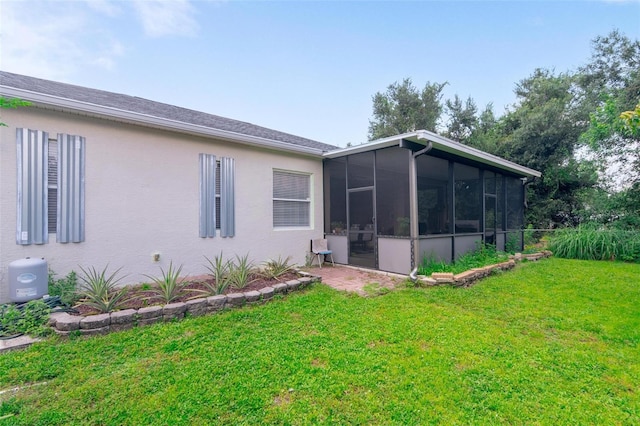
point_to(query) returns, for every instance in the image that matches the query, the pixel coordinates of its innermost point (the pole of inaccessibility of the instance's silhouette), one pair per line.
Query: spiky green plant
(169, 286)
(100, 291)
(274, 269)
(241, 272)
(219, 270)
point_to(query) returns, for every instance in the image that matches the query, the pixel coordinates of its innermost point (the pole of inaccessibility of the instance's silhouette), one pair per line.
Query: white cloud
(166, 17)
(53, 40)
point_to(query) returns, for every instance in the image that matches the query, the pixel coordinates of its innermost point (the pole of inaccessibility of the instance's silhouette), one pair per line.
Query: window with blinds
(291, 199)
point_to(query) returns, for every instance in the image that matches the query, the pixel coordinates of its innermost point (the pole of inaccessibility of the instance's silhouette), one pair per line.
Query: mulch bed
(138, 298)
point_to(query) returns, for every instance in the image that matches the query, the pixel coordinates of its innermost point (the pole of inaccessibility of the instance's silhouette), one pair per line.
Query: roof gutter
(89, 109)
(439, 143)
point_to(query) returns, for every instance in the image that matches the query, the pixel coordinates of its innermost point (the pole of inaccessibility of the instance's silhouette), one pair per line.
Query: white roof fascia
(442, 144)
(100, 111)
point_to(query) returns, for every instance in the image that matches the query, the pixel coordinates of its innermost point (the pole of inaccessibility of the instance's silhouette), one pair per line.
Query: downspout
(413, 206)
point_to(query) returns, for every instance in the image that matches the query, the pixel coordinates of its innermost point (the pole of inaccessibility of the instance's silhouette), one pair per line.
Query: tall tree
(542, 132)
(610, 86)
(403, 108)
(463, 119)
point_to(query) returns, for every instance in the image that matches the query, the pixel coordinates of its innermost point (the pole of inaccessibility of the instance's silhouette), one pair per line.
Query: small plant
(100, 291)
(274, 269)
(9, 320)
(30, 318)
(66, 288)
(169, 287)
(35, 316)
(241, 272)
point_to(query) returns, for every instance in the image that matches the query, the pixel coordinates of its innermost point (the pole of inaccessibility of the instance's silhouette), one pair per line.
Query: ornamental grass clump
(169, 286)
(101, 292)
(588, 242)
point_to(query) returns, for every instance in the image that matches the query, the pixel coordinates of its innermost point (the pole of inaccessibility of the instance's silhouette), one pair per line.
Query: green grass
(551, 342)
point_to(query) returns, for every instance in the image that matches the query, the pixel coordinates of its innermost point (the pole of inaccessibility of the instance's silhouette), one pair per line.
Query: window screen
(291, 199)
(468, 190)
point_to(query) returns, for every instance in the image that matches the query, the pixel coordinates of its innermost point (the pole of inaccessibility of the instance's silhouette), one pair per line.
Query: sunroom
(392, 202)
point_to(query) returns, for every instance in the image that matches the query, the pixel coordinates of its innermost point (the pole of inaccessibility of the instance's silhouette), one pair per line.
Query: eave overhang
(45, 101)
(440, 143)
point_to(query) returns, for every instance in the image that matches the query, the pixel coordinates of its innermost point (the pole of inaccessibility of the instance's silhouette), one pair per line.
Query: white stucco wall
(142, 197)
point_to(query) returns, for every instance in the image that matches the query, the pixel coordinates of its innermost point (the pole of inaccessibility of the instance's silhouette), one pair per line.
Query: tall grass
(592, 243)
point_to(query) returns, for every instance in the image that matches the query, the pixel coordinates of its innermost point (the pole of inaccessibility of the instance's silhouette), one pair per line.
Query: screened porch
(391, 203)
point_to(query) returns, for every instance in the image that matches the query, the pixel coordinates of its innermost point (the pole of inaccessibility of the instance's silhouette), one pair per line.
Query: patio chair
(319, 247)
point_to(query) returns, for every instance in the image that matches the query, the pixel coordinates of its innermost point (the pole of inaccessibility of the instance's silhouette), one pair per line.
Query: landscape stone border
(65, 324)
(470, 277)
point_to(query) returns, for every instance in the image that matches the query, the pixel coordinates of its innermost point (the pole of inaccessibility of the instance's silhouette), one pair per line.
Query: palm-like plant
(274, 269)
(241, 272)
(219, 270)
(100, 291)
(169, 286)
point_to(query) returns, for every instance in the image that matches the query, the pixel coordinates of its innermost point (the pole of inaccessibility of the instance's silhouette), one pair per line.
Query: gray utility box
(28, 279)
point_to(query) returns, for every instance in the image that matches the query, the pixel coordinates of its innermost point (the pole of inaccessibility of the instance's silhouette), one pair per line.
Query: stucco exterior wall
(142, 197)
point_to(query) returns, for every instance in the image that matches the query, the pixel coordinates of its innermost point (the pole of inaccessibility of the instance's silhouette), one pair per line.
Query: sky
(304, 67)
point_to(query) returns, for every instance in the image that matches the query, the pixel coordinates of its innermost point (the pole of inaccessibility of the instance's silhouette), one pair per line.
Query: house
(89, 177)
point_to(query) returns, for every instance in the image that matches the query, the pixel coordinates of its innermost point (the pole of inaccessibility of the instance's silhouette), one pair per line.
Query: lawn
(551, 342)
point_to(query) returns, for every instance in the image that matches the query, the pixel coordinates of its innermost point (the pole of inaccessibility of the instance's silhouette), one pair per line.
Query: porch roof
(442, 144)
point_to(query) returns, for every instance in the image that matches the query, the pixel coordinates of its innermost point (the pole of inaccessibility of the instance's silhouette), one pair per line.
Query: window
(217, 203)
(50, 190)
(291, 199)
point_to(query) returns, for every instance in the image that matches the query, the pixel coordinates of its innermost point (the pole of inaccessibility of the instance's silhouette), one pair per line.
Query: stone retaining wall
(467, 278)
(65, 324)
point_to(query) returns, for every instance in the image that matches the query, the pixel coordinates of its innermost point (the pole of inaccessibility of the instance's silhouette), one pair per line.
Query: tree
(541, 132)
(403, 108)
(463, 119)
(11, 103)
(609, 91)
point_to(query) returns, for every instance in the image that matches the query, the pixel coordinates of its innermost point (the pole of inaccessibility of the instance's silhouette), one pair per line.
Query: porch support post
(413, 210)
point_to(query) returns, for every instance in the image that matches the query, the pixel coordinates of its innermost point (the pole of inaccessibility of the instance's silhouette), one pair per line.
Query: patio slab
(352, 279)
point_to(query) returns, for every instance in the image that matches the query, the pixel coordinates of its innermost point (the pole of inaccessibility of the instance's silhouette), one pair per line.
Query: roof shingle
(156, 109)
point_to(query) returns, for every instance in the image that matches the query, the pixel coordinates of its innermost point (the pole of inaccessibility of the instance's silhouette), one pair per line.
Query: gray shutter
(70, 214)
(227, 197)
(32, 212)
(207, 195)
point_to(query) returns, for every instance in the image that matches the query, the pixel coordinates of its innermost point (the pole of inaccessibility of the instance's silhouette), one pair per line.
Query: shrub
(101, 292)
(66, 288)
(169, 287)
